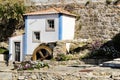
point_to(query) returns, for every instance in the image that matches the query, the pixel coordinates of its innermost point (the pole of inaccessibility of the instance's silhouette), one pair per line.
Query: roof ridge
(57, 9)
(52, 10)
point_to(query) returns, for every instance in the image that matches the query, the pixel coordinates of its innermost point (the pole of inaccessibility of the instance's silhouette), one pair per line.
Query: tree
(11, 18)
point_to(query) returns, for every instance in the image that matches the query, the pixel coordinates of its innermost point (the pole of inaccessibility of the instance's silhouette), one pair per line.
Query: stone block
(28, 57)
(34, 77)
(5, 76)
(1, 57)
(21, 77)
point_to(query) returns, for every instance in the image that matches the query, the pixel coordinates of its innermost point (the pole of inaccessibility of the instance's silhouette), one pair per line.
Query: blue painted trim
(60, 27)
(25, 36)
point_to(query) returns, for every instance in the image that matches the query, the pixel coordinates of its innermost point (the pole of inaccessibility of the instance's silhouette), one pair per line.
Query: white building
(42, 27)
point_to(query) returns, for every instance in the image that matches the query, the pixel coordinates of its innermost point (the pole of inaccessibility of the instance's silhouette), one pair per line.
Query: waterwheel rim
(40, 50)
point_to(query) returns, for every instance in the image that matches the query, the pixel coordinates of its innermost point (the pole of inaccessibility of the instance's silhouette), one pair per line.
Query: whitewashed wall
(37, 23)
(68, 27)
(12, 47)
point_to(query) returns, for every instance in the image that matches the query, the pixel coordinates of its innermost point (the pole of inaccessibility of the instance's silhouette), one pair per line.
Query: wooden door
(17, 51)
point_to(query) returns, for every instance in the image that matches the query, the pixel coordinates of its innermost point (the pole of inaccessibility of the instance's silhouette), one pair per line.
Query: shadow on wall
(111, 49)
(100, 49)
(107, 50)
(116, 41)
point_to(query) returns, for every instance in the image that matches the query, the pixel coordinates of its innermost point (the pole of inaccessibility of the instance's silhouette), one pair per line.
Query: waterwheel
(42, 52)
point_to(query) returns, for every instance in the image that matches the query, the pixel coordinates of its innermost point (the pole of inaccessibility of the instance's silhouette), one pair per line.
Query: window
(36, 36)
(50, 25)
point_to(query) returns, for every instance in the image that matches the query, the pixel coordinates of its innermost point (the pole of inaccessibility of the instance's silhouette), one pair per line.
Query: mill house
(43, 26)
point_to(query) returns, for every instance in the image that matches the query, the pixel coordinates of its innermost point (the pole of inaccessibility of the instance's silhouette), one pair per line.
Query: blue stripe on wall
(60, 27)
(25, 37)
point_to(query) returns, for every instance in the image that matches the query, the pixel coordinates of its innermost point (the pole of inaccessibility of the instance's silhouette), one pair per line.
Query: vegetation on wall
(3, 50)
(63, 57)
(11, 18)
(107, 50)
(29, 65)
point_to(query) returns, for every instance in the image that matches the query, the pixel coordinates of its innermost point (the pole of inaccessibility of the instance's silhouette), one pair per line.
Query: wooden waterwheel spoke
(46, 55)
(41, 54)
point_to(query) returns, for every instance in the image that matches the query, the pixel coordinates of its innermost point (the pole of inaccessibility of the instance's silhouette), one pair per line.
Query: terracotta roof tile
(51, 11)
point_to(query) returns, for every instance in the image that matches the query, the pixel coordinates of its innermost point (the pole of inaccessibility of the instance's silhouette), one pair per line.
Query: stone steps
(115, 63)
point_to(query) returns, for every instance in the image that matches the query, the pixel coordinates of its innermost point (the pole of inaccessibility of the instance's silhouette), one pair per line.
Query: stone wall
(60, 48)
(97, 21)
(83, 74)
(30, 75)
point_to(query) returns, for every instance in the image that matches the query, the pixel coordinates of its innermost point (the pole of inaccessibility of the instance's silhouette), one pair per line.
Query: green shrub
(30, 65)
(41, 65)
(2, 50)
(62, 57)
